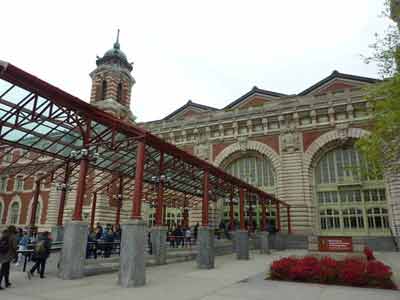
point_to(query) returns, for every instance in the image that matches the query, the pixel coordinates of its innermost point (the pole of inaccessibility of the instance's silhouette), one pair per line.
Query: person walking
(188, 237)
(22, 246)
(41, 254)
(8, 252)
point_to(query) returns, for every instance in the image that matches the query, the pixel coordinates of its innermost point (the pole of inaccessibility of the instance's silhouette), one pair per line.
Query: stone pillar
(73, 254)
(264, 242)
(242, 244)
(280, 241)
(57, 233)
(132, 272)
(159, 244)
(205, 255)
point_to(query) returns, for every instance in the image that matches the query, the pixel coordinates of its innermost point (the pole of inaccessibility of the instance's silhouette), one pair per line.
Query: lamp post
(159, 181)
(84, 156)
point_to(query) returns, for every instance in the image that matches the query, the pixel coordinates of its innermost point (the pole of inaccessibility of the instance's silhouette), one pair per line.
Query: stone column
(206, 253)
(73, 254)
(242, 244)
(132, 272)
(159, 244)
(57, 233)
(280, 241)
(264, 242)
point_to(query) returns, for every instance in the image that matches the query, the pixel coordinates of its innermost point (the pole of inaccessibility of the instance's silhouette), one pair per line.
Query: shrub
(369, 253)
(350, 271)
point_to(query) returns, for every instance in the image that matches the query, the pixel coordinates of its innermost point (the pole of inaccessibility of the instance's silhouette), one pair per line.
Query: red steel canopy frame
(45, 120)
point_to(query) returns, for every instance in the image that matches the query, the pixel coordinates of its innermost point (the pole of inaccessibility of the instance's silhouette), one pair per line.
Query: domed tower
(112, 83)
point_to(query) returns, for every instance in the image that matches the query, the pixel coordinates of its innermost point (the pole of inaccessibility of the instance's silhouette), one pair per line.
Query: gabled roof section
(189, 107)
(346, 80)
(255, 91)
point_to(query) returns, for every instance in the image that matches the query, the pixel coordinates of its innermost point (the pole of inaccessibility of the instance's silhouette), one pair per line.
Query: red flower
(352, 272)
(369, 253)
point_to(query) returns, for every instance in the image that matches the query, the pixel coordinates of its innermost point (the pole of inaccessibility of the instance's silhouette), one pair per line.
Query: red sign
(335, 244)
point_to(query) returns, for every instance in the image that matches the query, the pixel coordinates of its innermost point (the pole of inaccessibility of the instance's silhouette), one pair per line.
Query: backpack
(4, 245)
(40, 248)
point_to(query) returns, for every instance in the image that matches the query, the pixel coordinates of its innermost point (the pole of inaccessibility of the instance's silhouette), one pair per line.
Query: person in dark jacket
(41, 254)
(8, 252)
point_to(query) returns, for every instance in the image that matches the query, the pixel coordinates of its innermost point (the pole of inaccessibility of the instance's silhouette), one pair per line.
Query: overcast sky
(211, 52)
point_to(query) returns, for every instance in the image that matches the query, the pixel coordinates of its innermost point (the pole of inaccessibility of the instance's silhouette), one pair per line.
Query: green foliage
(382, 148)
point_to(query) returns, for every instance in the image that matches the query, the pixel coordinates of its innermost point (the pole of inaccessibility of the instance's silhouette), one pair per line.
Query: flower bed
(361, 272)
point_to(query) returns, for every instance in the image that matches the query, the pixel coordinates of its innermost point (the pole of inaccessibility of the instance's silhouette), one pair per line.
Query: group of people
(103, 239)
(182, 235)
(12, 244)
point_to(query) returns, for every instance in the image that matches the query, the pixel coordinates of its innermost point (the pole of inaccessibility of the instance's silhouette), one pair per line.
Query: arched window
(19, 183)
(257, 170)
(119, 93)
(3, 184)
(14, 214)
(378, 218)
(346, 195)
(103, 90)
(38, 213)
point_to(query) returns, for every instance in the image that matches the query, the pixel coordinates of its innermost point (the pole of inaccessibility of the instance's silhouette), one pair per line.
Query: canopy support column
(93, 212)
(35, 204)
(160, 193)
(119, 200)
(133, 240)
(63, 196)
(278, 217)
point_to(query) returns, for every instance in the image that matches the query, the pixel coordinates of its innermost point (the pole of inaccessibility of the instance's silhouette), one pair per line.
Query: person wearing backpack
(8, 252)
(40, 254)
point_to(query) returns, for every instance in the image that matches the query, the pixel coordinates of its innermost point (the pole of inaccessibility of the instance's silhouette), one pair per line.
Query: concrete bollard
(264, 242)
(132, 272)
(73, 254)
(242, 244)
(206, 252)
(159, 244)
(57, 233)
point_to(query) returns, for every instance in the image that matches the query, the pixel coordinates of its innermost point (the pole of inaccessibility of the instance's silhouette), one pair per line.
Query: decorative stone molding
(290, 140)
(250, 145)
(344, 132)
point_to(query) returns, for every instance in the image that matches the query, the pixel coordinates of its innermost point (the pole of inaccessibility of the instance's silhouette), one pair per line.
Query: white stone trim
(251, 145)
(326, 138)
(16, 199)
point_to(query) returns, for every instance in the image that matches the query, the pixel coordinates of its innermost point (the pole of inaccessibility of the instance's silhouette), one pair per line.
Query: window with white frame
(378, 218)
(3, 184)
(347, 195)
(14, 214)
(19, 183)
(257, 170)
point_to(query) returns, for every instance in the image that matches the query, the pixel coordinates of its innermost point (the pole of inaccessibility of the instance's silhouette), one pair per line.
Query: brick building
(297, 147)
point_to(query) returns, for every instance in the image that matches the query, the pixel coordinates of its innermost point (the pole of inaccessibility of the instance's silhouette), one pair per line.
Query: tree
(382, 147)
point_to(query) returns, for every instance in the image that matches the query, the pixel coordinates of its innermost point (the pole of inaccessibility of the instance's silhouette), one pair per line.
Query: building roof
(253, 91)
(337, 75)
(190, 104)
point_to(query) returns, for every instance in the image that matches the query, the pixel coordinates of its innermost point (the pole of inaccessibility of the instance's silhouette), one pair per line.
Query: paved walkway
(231, 279)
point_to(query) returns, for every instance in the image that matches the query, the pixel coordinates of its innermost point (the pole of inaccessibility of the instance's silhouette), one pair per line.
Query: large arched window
(349, 200)
(257, 170)
(13, 218)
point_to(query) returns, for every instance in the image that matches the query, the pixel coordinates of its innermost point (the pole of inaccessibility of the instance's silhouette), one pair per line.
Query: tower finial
(116, 44)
